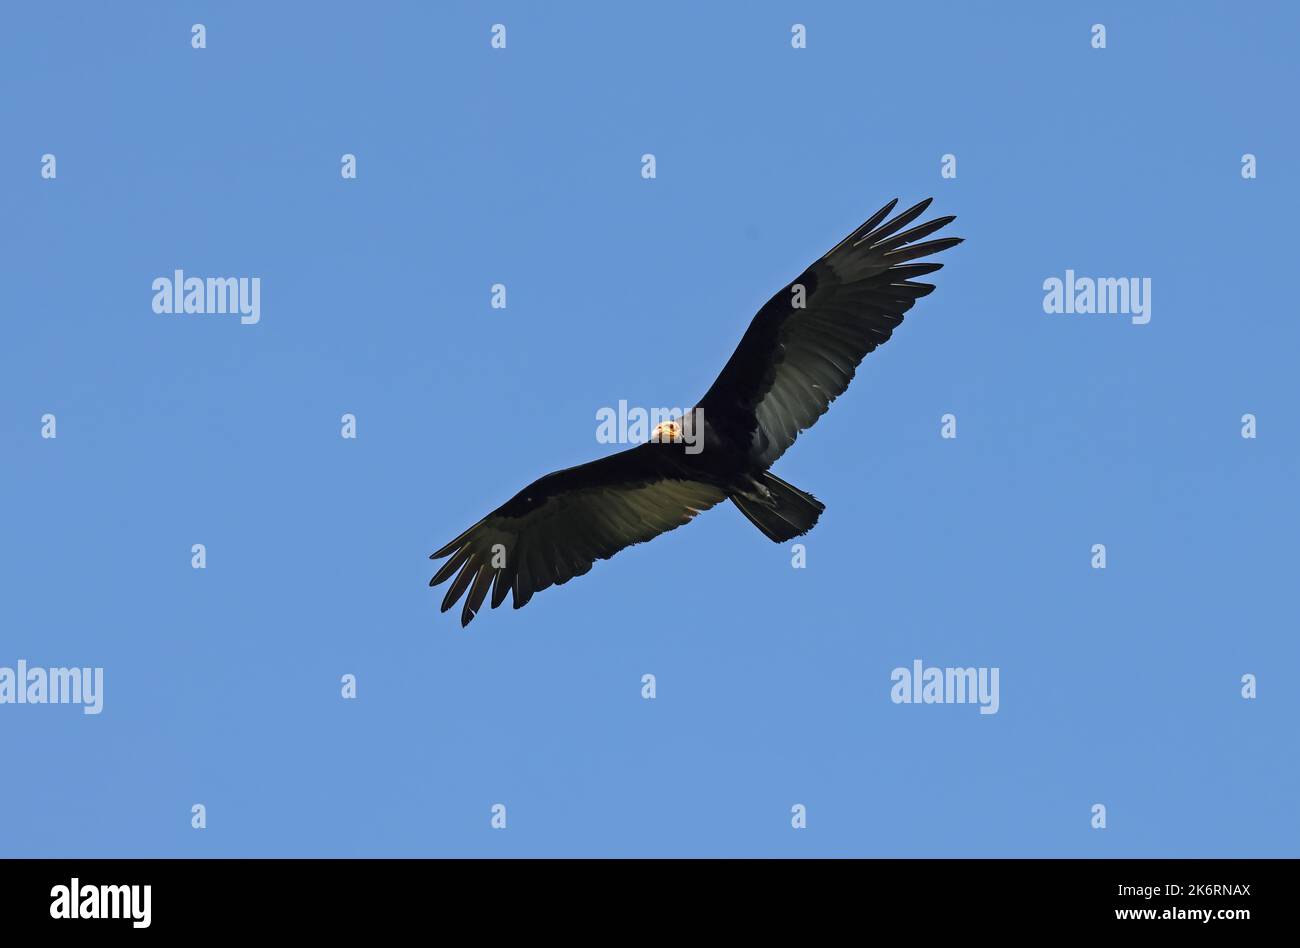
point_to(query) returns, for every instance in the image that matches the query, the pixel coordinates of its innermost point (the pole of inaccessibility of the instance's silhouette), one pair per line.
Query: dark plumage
(790, 365)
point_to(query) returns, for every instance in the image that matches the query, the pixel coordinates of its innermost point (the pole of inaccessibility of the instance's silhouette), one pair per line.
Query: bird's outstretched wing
(558, 526)
(794, 360)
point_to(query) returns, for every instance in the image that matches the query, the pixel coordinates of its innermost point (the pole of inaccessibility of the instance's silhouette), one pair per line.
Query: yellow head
(667, 431)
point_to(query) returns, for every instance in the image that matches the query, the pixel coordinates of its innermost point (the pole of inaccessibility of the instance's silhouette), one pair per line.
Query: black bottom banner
(177, 897)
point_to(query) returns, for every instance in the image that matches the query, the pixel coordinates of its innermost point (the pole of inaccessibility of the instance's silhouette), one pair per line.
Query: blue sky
(522, 166)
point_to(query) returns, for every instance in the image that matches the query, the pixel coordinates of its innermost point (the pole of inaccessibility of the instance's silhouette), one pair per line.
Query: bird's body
(798, 354)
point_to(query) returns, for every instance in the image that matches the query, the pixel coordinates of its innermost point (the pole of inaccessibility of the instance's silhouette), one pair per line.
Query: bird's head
(669, 431)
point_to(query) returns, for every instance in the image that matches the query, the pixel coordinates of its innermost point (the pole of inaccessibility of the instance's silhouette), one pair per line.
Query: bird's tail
(781, 511)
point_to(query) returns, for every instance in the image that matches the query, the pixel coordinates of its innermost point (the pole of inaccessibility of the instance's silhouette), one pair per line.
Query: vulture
(798, 354)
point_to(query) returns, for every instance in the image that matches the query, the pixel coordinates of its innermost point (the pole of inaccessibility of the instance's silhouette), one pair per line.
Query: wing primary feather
(877, 217)
(916, 233)
(521, 599)
(468, 572)
(871, 222)
(456, 562)
(500, 585)
(923, 249)
(475, 598)
(917, 290)
(902, 220)
(454, 544)
(906, 271)
(521, 582)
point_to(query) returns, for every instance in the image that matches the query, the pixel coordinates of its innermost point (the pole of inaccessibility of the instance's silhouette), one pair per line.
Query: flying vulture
(798, 354)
